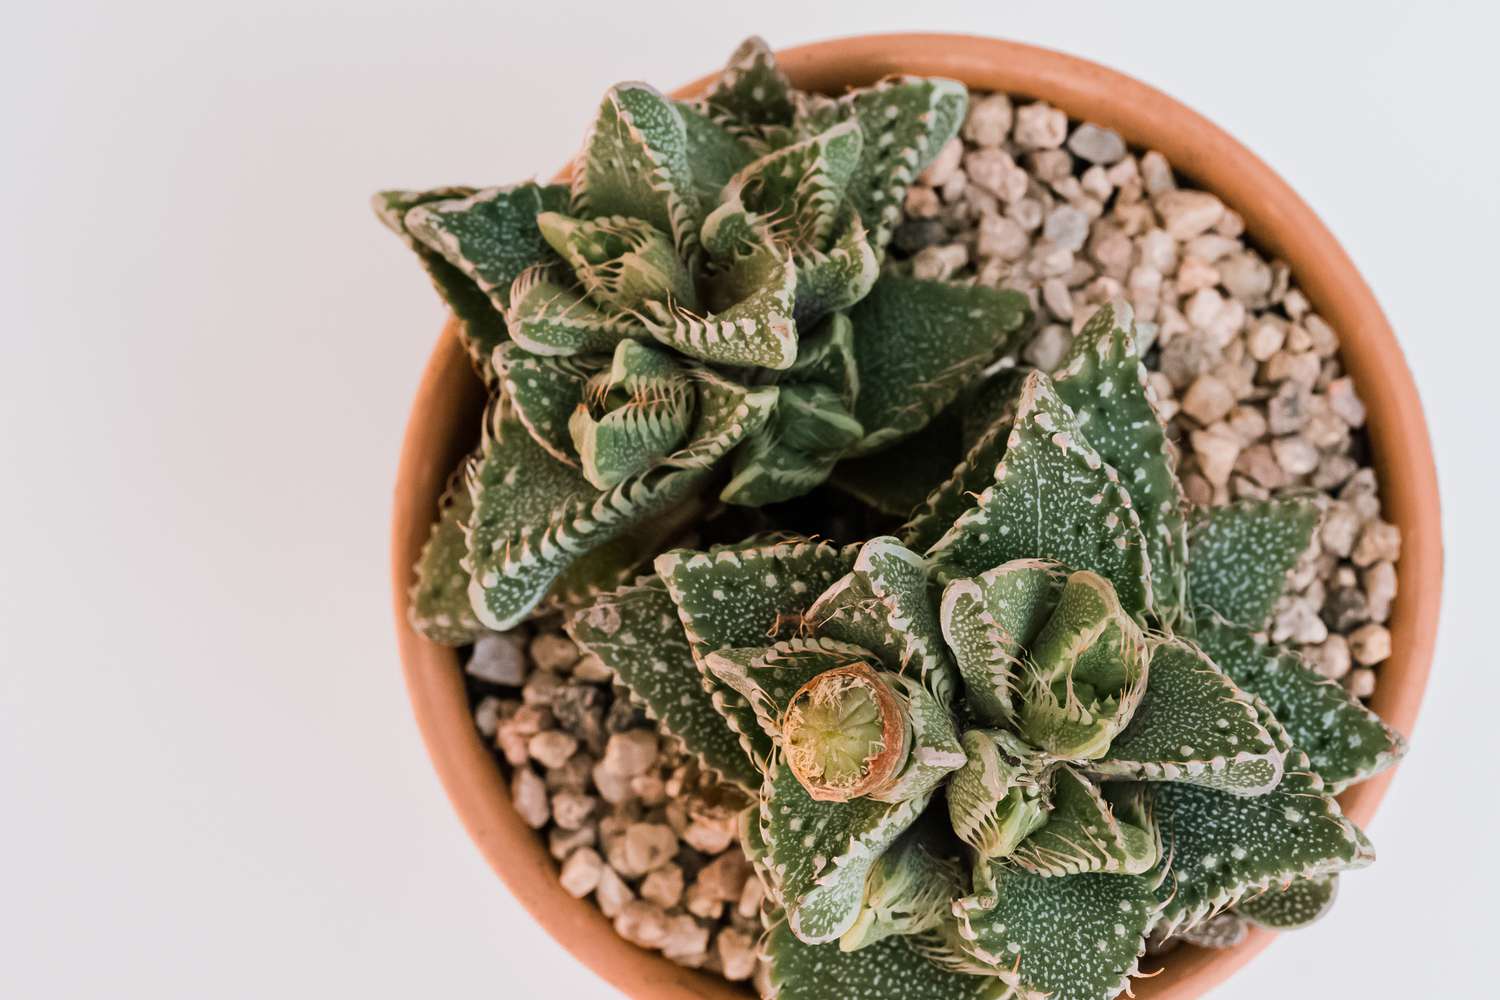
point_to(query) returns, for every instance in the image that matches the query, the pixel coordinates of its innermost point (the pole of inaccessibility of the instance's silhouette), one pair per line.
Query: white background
(210, 783)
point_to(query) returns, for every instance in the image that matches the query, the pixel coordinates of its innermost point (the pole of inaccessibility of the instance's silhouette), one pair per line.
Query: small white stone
(553, 651)
(1040, 126)
(1360, 683)
(1296, 455)
(572, 809)
(663, 886)
(988, 121)
(580, 873)
(1345, 401)
(1156, 173)
(1380, 541)
(1216, 449)
(498, 658)
(737, 954)
(945, 164)
(1097, 145)
(630, 753)
(1048, 348)
(642, 924)
(529, 795)
(1208, 400)
(1332, 659)
(612, 893)
(1001, 237)
(552, 748)
(1186, 213)
(1379, 582)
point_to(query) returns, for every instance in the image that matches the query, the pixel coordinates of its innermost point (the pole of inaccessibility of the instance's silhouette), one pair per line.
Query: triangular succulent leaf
(544, 393)
(919, 343)
(975, 472)
(1052, 497)
(714, 151)
(634, 414)
(636, 633)
(1285, 908)
(1226, 847)
(989, 621)
(1239, 555)
(820, 851)
(1074, 937)
(1194, 725)
(887, 968)
(752, 90)
(439, 598)
(1082, 834)
(1104, 383)
(1000, 794)
(910, 890)
(533, 515)
(1344, 741)
(635, 163)
(1085, 674)
(550, 316)
(750, 594)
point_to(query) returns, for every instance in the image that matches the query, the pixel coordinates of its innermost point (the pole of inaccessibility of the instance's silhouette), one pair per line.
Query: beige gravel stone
(529, 795)
(580, 873)
(1040, 126)
(1186, 213)
(1370, 644)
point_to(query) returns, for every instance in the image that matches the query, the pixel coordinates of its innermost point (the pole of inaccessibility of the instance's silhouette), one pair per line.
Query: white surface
(210, 784)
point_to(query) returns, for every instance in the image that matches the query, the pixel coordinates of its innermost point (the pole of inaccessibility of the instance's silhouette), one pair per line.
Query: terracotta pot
(445, 419)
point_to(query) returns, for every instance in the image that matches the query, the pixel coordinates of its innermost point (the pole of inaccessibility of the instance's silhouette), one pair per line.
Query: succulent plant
(698, 314)
(995, 751)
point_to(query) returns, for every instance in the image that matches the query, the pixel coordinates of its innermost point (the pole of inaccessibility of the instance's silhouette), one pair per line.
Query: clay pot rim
(446, 408)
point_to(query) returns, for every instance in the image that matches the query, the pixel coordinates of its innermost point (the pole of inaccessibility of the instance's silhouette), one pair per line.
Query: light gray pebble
(498, 658)
(1097, 145)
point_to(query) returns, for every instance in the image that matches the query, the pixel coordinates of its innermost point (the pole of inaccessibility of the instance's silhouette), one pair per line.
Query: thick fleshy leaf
(636, 633)
(887, 604)
(751, 594)
(1000, 794)
(1086, 672)
(544, 392)
(549, 316)
(439, 597)
(799, 189)
(1239, 556)
(1052, 498)
(635, 163)
(1194, 725)
(636, 413)
(752, 90)
(1344, 740)
(619, 262)
(1225, 847)
(820, 852)
(1286, 908)
(1082, 834)
(836, 275)
(713, 150)
(491, 236)
(975, 471)
(1104, 383)
(768, 677)
(481, 324)
(989, 621)
(533, 515)
(747, 322)
(1074, 937)
(797, 449)
(935, 749)
(826, 357)
(919, 343)
(905, 122)
(911, 889)
(888, 968)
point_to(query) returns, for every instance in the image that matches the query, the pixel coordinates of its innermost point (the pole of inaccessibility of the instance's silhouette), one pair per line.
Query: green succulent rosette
(993, 753)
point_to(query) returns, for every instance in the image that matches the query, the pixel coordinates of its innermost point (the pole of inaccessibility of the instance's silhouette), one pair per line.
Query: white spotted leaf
(1239, 556)
(636, 633)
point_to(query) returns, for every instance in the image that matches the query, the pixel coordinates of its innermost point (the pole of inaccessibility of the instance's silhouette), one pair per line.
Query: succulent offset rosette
(698, 313)
(995, 752)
